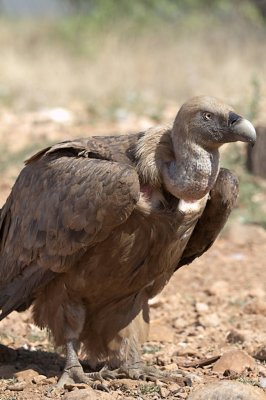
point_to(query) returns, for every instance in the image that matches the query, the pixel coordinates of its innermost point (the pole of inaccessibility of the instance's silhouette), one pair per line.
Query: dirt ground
(209, 322)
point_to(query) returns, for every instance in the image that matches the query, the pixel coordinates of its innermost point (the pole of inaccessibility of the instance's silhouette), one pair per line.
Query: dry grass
(168, 63)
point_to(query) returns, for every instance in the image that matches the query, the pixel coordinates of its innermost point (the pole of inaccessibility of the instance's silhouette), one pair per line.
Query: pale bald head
(210, 122)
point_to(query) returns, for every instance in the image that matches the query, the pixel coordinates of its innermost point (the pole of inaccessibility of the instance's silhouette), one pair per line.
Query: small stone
(26, 375)
(262, 383)
(255, 307)
(17, 387)
(235, 337)
(87, 394)
(219, 289)
(194, 378)
(54, 392)
(72, 386)
(262, 370)
(163, 359)
(174, 387)
(234, 360)
(229, 373)
(201, 307)
(182, 395)
(126, 383)
(228, 390)
(170, 367)
(209, 320)
(164, 392)
(51, 381)
(180, 324)
(185, 350)
(260, 353)
(39, 379)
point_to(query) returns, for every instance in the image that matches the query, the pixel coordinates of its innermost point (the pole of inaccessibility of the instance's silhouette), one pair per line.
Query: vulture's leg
(73, 372)
(218, 208)
(130, 364)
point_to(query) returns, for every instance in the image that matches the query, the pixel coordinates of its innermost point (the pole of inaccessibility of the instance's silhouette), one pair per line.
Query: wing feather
(60, 205)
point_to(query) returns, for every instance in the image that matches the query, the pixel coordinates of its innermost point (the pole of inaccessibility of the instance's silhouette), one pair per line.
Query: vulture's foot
(139, 371)
(73, 372)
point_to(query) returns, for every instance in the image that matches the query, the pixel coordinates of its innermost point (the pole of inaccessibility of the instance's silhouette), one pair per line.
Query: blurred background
(76, 68)
(72, 68)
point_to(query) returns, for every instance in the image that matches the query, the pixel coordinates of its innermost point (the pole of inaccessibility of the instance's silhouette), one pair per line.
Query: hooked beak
(242, 129)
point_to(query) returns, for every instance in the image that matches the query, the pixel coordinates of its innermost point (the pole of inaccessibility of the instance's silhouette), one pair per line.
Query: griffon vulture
(94, 228)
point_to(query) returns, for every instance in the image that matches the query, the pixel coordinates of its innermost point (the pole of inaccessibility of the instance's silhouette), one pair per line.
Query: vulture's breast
(141, 254)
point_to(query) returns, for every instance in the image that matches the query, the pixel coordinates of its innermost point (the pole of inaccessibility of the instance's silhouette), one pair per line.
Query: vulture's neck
(193, 171)
(184, 169)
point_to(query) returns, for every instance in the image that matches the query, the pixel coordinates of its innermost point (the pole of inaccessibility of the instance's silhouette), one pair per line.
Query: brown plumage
(95, 227)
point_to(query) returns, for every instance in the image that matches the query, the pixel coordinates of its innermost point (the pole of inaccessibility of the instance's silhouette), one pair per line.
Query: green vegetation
(150, 349)
(145, 11)
(251, 204)
(247, 381)
(85, 30)
(149, 389)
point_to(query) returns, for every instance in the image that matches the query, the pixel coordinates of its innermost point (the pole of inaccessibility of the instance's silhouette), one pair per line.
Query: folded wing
(61, 204)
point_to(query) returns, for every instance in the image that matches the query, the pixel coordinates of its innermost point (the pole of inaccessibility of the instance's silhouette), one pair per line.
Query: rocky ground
(209, 322)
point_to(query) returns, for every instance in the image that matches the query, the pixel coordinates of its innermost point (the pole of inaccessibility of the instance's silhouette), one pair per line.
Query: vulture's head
(210, 123)
(201, 126)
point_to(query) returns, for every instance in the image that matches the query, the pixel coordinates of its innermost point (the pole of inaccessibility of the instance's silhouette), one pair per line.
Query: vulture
(93, 228)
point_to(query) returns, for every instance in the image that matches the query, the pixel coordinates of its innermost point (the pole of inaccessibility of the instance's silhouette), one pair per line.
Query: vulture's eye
(207, 116)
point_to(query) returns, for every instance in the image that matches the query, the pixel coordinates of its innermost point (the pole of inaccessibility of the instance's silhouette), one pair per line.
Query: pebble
(87, 394)
(262, 383)
(260, 353)
(170, 367)
(128, 383)
(228, 390)
(234, 360)
(40, 379)
(209, 320)
(17, 387)
(26, 375)
(218, 288)
(180, 324)
(255, 307)
(72, 386)
(194, 378)
(174, 387)
(201, 307)
(235, 337)
(164, 392)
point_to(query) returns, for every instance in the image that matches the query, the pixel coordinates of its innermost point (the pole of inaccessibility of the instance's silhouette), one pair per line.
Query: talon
(100, 386)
